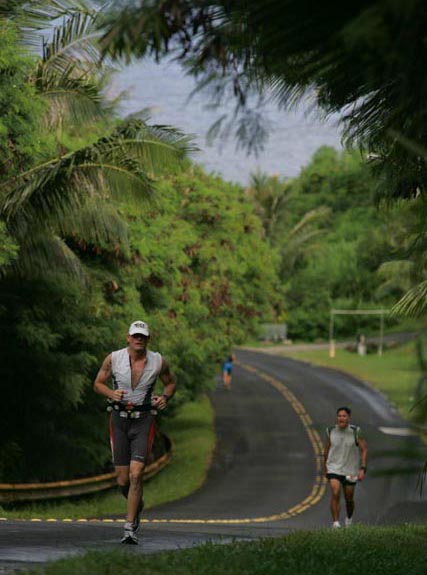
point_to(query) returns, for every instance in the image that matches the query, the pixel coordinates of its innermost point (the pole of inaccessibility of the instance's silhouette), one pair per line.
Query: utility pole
(381, 344)
(331, 335)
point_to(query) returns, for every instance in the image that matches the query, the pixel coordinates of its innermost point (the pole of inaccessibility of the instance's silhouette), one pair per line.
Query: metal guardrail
(21, 492)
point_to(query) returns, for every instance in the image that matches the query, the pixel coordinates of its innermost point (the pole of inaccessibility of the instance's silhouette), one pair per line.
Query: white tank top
(121, 374)
(344, 454)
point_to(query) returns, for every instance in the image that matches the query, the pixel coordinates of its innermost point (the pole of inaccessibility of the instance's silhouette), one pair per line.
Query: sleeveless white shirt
(121, 374)
(344, 454)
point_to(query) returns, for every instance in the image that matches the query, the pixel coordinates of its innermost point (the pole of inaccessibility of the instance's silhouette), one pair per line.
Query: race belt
(130, 410)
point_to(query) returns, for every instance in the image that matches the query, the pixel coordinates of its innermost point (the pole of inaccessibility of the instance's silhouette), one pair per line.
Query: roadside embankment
(193, 441)
(383, 551)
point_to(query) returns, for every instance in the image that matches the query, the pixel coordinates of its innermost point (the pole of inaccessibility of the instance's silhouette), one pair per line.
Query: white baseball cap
(139, 327)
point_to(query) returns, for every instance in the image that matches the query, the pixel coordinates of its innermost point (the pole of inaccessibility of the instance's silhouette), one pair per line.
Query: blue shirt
(227, 366)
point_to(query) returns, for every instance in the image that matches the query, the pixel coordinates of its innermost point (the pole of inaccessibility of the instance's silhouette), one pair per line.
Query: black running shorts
(342, 478)
(132, 439)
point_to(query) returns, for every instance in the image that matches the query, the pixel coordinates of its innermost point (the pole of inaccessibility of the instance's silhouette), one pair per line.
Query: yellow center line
(317, 491)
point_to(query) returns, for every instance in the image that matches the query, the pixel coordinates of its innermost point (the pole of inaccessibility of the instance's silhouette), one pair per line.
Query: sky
(294, 135)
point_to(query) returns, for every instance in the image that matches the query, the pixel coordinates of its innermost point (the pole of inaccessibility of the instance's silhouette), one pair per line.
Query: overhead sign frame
(334, 312)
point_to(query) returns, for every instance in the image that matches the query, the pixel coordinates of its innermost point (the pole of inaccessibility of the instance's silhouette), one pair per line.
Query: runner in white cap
(133, 371)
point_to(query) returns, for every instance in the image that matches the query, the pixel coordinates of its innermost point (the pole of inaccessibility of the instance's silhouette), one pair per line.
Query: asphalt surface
(264, 479)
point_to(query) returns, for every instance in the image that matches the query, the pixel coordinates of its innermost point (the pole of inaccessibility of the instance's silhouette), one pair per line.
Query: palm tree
(272, 197)
(74, 192)
(57, 203)
(404, 277)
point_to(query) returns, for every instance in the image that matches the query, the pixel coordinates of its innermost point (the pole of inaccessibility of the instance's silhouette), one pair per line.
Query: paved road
(264, 479)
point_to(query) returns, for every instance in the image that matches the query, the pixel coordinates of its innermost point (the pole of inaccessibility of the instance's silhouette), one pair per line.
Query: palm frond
(294, 243)
(396, 277)
(74, 39)
(44, 253)
(422, 479)
(97, 224)
(54, 190)
(122, 164)
(77, 99)
(68, 74)
(395, 268)
(414, 147)
(297, 247)
(308, 219)
(299, 241)
(8, 247)
(271, 196)
(38, 15)
(414, 302)
(158, 148)
(95, 228)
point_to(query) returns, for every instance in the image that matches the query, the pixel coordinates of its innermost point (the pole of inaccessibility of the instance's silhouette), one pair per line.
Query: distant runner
(133, 371)
(227, 368)
(345, 461)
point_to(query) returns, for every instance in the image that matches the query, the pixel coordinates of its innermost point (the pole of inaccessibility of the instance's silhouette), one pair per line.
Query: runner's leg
(135, 489)
(227, 380)
(122, 475)
(121, 453)
(349, 499)
(142, 437)
(335, 485)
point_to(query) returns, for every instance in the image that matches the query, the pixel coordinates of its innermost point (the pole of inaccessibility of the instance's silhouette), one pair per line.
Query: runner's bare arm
(363, 448)
(101, 382)
(167, 379)
(325, 455)
(169, 383)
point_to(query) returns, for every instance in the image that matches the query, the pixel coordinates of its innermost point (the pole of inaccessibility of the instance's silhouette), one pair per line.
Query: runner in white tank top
(345, 461)
(133, 371)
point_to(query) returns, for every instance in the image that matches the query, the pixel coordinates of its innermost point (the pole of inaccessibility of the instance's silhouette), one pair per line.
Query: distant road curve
(278, 349)
(265, 462)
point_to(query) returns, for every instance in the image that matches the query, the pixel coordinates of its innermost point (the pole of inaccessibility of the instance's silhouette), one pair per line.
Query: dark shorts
(132, 439)
(342, 478)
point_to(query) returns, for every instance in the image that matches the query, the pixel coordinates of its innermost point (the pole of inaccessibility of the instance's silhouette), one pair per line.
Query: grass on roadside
(192, 434)
(395, 373)
(383, 551)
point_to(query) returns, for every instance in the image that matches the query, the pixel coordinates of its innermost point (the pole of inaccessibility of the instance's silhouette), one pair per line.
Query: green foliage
(342, 258)
(20, 119)
(358, 59)
(43, 195)
(201, 274)
(405, 272)
(68, 74)
(8, 248)
(198, 271)
(48, 360)
(338, 180)
(94, 242)
(59, 233)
